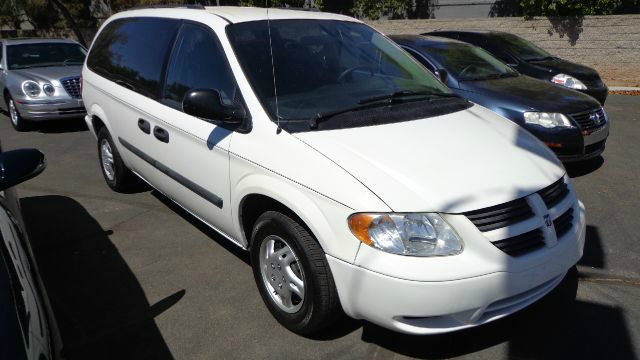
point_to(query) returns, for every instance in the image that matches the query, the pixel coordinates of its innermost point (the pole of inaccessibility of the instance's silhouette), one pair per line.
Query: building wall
(610, 44)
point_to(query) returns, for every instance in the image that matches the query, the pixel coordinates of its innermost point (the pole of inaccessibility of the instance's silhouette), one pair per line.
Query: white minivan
(356, 179)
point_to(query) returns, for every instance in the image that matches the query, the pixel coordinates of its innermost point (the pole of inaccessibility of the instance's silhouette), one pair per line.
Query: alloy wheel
(282, 274)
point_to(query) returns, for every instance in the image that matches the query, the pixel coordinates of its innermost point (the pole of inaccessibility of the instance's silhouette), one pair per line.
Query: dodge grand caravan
(356, 180)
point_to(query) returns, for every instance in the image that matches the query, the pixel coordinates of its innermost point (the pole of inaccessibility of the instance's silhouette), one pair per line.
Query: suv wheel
(292, 274)
(18, 123)
(115, 172)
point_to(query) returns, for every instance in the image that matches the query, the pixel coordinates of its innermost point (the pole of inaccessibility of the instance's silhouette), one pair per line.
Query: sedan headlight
(548, 120)
(31, 88)
(413, 234)
(568, 81)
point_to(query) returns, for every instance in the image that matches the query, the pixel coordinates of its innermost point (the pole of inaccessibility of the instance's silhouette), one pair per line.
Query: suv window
(198, 62)
(132, 51)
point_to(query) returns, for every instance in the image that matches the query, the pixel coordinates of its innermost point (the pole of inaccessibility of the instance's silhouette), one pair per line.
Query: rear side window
(197, 62)
(132, 51)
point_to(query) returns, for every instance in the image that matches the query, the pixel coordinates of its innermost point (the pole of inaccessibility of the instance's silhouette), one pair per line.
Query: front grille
(521, 244)
(72, 86)
(590, 121)
(499, 216)
(554, 193)
(563, 223)
(589, 149)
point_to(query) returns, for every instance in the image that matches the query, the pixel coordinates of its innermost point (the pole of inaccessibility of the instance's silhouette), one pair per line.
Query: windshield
(323, 66)
(467, 62)
(44, 54)
(522, 48)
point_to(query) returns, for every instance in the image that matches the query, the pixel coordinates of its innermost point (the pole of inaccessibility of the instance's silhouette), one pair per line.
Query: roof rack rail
(161, 6)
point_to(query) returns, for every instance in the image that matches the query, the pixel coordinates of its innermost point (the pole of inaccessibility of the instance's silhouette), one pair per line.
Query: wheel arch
(260, 193)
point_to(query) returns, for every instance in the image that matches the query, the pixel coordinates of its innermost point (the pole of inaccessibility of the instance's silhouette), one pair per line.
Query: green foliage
(375, 9)
(282, 3)
(568, 7)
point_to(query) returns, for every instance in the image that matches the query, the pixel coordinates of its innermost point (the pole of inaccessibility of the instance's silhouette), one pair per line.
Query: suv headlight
(568, 81)
(31, 88)
(415, 234)
(548, 120)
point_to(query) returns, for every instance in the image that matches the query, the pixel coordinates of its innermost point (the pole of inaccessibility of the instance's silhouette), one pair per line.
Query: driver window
(197, 62)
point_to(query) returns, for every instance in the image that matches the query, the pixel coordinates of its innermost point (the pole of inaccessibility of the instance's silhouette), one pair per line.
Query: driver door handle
(161, 134)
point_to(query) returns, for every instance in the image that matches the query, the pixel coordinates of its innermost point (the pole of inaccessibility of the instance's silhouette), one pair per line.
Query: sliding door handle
(145, 126)
(161, 134)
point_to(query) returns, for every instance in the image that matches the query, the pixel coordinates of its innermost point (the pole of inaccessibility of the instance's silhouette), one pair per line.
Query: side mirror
(207, 104)
(443, 75)
(18, 166)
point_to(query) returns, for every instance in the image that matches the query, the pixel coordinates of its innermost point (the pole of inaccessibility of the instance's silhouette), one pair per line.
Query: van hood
(453, 163)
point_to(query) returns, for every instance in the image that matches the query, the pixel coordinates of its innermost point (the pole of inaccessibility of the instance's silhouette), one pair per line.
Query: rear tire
(292, 274)
(18, 123)
(115, 172)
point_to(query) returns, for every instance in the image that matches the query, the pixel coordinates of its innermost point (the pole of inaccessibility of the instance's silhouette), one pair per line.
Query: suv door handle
(161, 134)
(144, 125)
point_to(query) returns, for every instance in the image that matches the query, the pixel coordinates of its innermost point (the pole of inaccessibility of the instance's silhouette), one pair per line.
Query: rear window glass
(132, 52)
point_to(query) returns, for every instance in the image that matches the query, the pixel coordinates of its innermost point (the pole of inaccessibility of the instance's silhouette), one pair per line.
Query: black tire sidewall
(281, 225)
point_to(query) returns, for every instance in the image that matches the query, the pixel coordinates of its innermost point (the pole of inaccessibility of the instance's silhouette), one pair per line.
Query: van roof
(238, 14)
(20, 41)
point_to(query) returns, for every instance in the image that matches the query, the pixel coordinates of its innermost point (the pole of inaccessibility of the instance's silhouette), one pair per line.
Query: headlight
(568, 81)
(31, 88)
(548, 120)
(406, 234)
(48, 89)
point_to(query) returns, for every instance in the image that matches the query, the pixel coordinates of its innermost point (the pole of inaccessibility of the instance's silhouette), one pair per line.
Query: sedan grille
(590, 121)
(563, 223)
(554, 193)
(72, 86)
(499, 216)
(521, 244)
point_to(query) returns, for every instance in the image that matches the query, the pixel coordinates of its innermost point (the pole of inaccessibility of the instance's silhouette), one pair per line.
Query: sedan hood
(48, 73)
(560, 66)
(453, 163)
(526, 93)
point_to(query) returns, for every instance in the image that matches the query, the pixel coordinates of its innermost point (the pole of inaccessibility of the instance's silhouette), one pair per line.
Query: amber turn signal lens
(552, 144)
(359, 225)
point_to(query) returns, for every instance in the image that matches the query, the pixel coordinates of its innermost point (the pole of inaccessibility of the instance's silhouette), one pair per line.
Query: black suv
(531, 60)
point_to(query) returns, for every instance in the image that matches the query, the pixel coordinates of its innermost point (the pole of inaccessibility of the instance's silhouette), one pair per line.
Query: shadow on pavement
(582, 168)
(214, 235)
(556, 327)
(101, 309)
(59, 126)
(593, 255)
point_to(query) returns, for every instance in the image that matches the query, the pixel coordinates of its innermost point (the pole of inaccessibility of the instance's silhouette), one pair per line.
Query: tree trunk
(69, 19)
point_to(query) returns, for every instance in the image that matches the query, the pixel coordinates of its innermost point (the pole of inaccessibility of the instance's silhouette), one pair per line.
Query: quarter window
(132, 51)
(198, 62)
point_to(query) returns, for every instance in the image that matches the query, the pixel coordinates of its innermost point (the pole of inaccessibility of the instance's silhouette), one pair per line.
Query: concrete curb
(624, 88)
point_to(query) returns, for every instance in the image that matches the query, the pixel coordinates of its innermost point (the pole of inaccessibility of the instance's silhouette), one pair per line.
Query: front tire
(18, 123)
(115, 172)
(292, 274)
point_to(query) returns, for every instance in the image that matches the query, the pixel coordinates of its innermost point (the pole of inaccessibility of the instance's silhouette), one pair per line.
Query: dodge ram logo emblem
(547, 220)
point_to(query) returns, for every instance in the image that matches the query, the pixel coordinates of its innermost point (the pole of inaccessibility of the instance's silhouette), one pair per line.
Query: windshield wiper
(375, 101)
(404, 94)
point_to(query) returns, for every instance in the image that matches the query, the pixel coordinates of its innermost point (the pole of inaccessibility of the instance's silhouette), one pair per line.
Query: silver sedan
(40, 80)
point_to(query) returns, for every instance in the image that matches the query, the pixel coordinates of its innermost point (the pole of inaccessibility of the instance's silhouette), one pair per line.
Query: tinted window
(420, 58)
(197, 62)
(132, 51)
(468, 62)
(522, 48)
(25, 56)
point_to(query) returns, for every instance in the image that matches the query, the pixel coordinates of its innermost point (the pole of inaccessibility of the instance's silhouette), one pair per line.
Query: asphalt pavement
(131, 276)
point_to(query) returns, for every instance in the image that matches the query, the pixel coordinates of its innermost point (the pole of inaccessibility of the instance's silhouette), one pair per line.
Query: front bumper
(430, 307)
(571, 145)
(599, 94)
(40, 110)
